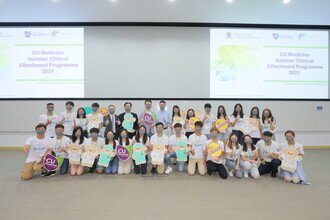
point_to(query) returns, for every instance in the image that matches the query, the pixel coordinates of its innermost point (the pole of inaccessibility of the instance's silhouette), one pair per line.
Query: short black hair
(267, 134)
(207, 105)
(199, 124)
(159, 123)
(94, 130)
(111, 105)
(59, 126)
(70, 103)
(40, 125)
(148, 100)
(50, 103)
(177, 125)
(162, 101)
(95, 105)
(128, 103)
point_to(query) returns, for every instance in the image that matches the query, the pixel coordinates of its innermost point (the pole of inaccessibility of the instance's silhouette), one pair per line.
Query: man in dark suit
(128, 108)
(110, 122)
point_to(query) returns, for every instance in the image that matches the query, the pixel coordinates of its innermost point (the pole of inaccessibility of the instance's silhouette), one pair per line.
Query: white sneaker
(246, 174)
(230, 173)
(168, 170)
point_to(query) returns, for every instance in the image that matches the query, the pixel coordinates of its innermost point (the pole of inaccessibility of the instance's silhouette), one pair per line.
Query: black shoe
(50, 173)
(43, 173)
(209, 173)
(153, 170)
(273, 175)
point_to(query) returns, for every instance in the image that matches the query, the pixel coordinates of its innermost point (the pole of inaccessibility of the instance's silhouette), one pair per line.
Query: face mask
(94, 109)
(40, 132)
(123, 136)
(94, 135)
(198, 129)
(59, 133)
(234, 140)
(289, 138)
(214, 135)
(248, 141)
(159, 130)
(177, 131)
(142, 132)
(110, 136)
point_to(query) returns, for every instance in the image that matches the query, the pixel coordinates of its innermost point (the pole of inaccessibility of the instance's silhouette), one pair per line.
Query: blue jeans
(65, 166)
(113, 166)
(168, 162)
(231, 164)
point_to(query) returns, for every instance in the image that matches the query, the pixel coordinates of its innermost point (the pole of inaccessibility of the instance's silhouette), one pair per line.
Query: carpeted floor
(177, 196)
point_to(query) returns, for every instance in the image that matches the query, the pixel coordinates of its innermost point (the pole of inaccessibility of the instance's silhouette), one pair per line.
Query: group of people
(237, 145)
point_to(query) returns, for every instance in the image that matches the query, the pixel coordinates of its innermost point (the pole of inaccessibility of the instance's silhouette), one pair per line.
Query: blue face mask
(248, 141)
(123, 136)
(198, 129)
(159, 129)
(142, 132)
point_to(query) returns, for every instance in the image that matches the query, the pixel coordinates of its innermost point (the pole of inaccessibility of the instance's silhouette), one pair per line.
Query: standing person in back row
(128, 120)
(50, 120)
(110, 122)
(67, 119)
(164, 116)
(237, 120)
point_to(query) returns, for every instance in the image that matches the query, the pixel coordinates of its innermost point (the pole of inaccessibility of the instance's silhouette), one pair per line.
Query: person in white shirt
(233, 156)
(150, 127)
(164, 116)
(141, 137)
(237, 120)
(197, 144)
(36, 147)
(208, 120)
(188, 129)
(298, 176)
(98, 142)
(158, 138)
(79, 139)
(268, 122)
(113, 164)
(256, 131)
(95, 120)
(222, 114)
(249, 157)
(176, 118)
(67, 119)
(268, 152)
(49, 119)
(173, 140)
(125, 166)
(81, 121)
(215, 164)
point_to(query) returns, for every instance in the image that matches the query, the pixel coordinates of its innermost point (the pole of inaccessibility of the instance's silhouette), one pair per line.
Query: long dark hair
(138, 135)
(230, 143)
(179, 113)
(107, 140)
(224, 111)
(187, 116)
(244, 144)
(121, 139)
(235, 112)
(258, 114)
(81, 138)
(84, 115)
(270, 115)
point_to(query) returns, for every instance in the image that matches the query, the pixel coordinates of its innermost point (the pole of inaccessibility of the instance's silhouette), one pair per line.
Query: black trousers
(269, 167)
(215, 167)
(140, 169)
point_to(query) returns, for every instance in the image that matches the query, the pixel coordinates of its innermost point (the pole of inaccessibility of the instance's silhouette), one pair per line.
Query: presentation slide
(41, 62)
(268, 63)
